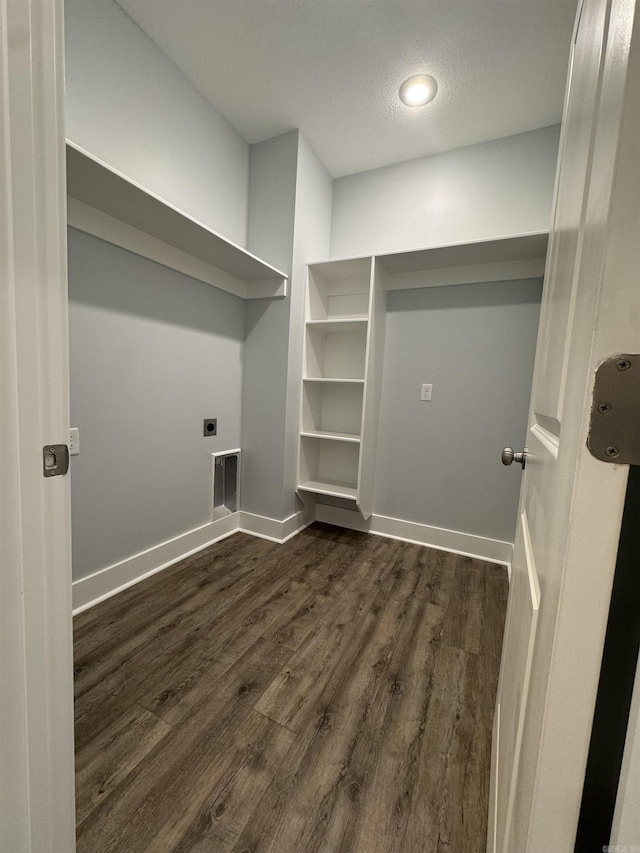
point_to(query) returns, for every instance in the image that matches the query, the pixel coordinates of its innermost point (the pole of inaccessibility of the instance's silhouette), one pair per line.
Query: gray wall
(129, 105)
(489, 190)
(439, 462)
(289, 224)
(152, 353)
(272, 201)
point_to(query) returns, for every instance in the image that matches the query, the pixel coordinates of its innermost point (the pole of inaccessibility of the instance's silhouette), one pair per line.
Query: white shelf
(336, 346)
(343, 324)
(513, 258)
(335, 381)
(325, 487)
(506, 259)
(107, 204)
(331, 436)
(336, 350)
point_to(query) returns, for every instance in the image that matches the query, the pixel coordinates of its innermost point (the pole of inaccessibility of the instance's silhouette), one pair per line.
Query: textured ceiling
(333, 68)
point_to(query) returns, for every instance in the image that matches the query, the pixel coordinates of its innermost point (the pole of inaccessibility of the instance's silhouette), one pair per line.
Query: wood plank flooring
(333, 694)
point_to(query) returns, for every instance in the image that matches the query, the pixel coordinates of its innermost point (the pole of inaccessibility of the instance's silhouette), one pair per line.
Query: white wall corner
(274, 530)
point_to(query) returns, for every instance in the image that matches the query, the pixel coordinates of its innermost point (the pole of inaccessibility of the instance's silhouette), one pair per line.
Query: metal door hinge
(55, 459)
(614, 431)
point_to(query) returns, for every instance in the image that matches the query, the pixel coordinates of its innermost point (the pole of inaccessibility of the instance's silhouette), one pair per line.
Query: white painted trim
(274, 530)
(465, 544)
(236, 450)
(217, 454)
(547, 438)
(111, 580)
(36, 651)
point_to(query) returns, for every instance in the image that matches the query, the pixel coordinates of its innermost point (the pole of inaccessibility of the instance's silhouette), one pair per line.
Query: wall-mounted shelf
(331, 489)
(108, 205)
(520, 256)
(344, 348)
(327, 379)
(342, 325)
(331, 436)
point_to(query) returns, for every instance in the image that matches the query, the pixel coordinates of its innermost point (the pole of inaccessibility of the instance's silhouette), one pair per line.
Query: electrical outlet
(74, 441)
(210, 426)
(426, 392)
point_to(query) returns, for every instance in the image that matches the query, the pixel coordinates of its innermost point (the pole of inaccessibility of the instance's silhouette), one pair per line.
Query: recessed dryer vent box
(226, 483)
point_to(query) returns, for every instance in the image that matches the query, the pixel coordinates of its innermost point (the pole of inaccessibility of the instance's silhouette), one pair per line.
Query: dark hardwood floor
(334, 693)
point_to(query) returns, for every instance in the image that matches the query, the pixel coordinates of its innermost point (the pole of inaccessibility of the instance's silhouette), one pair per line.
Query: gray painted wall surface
(289, 222)
(439, 463)
(152, 353)
(272, 199)
(129, 105)
(490, 190)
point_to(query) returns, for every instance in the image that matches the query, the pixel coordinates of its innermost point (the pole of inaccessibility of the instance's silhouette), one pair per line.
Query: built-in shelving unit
(344, 349)
(105, 203)
(339, 376)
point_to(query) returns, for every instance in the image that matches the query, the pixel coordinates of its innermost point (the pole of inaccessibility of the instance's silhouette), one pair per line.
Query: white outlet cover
(426, 392)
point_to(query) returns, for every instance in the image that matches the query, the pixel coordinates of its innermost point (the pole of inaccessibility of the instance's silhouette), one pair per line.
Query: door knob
(509, 456)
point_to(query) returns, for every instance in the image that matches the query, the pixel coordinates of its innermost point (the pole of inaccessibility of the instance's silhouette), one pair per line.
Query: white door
(36, 679)
(571, 504)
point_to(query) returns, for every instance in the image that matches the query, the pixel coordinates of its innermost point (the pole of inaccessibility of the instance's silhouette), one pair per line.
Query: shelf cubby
(329, 407)
(339, 290)
(329, 467)
(332, 353)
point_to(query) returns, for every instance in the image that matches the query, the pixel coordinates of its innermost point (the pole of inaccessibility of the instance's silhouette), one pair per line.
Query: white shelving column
(338, 363)
(344, 350)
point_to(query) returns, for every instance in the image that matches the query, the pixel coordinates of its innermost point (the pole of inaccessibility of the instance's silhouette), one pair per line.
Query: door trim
(36, 670)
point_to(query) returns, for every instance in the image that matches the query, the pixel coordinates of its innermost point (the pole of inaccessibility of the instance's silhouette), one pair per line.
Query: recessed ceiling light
(418, 90)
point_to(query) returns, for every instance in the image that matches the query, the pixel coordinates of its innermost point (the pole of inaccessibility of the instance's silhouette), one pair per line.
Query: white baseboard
(491, 550)
(113, 579)
(274, 530)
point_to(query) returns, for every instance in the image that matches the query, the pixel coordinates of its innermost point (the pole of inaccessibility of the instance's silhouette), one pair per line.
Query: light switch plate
(426, 392)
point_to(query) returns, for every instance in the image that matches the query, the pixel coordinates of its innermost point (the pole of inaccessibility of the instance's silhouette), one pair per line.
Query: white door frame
(36, 675)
